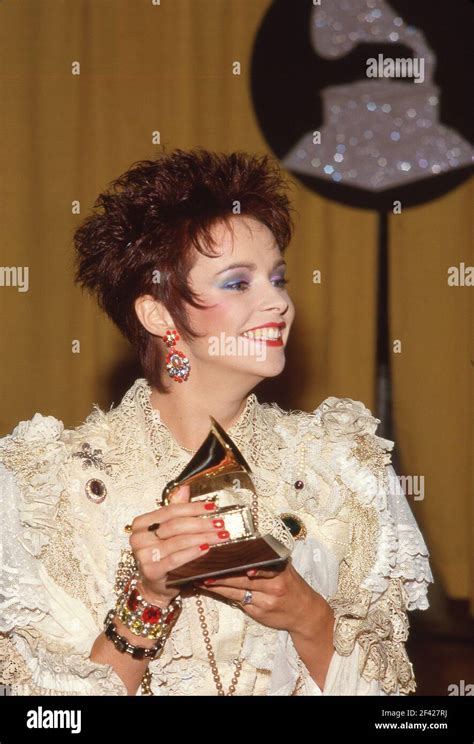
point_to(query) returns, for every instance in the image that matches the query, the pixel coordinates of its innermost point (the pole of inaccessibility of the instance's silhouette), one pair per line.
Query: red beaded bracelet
(143, 618)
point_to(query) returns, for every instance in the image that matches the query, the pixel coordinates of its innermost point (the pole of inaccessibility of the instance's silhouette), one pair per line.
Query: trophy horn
(217, 464)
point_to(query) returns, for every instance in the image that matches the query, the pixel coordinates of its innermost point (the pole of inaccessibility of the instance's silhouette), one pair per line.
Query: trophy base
(233, 557)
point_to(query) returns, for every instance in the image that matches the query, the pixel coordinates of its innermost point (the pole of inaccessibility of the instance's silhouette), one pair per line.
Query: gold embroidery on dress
(13, 667)
(382, 630)
(58, 559)
(370, 453)
(16, 455)
(382, 638)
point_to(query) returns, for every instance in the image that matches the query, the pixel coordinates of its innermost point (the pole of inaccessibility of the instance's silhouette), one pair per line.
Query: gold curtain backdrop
(168, 68)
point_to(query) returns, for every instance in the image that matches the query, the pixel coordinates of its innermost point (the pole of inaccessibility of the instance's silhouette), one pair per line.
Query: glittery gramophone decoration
(218, 472)
(376, 134)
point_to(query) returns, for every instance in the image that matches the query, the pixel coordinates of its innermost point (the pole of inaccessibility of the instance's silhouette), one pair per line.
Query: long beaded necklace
(205, 630)
(146, 680)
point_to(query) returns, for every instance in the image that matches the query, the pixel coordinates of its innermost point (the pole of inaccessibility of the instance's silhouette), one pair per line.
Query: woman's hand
(186, 530)
(280, 599)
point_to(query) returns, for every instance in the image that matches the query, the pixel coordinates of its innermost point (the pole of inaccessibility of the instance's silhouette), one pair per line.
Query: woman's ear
(153, 315)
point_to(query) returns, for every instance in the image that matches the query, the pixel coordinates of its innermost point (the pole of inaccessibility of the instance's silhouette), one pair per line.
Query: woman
(185, 255)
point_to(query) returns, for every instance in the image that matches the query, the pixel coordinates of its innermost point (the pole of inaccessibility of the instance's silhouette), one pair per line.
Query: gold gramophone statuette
(218, 472)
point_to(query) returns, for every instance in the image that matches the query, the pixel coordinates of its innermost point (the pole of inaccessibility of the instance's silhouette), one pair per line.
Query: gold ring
(128, 528)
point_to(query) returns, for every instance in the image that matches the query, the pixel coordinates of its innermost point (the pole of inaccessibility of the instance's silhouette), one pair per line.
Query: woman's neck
(186, 414)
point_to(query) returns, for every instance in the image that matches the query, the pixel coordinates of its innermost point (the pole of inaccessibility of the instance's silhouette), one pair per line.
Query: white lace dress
(60, 550)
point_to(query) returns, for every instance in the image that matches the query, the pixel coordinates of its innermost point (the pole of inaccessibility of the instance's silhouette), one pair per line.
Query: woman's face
(248, 317)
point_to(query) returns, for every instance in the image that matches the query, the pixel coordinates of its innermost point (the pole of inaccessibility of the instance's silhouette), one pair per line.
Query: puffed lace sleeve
(46, 632)
(382, 574)
(372, 624)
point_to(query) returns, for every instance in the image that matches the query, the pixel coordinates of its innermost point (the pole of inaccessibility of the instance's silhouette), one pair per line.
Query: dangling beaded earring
(177, 363)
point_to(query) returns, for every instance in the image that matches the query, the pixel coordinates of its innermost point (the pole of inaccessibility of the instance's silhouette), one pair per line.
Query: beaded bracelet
(122, 645)
(143, 618)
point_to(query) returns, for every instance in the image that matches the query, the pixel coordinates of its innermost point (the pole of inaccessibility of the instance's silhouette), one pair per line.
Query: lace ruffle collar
(135, 411)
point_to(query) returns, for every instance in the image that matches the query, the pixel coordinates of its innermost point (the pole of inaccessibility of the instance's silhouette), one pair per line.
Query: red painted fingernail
(252, 572)
(218, 522)
(204, 546)
(223, 534)
(210, 581)
(210, 506)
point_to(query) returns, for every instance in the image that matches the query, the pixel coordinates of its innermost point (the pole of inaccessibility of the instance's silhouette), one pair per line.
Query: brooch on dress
(295, 525)
(92, 458)
(96, 490)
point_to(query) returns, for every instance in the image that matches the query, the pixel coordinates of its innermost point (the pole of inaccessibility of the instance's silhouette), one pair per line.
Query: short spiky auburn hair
(146, 224)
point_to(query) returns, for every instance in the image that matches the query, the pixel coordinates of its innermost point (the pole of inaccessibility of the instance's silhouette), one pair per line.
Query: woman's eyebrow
(251, 266)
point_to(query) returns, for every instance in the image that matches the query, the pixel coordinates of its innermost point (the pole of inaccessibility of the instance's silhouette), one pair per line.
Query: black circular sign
(288, 76)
